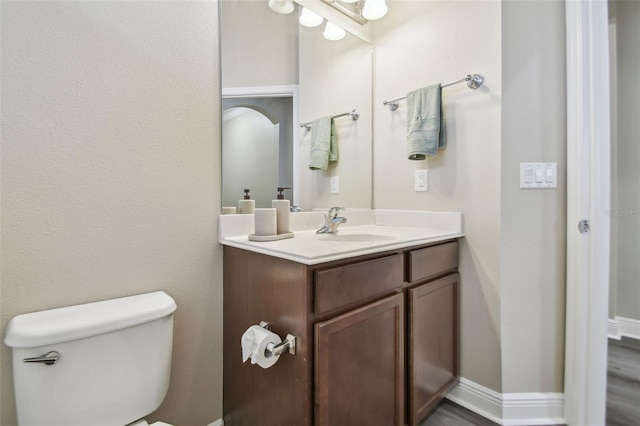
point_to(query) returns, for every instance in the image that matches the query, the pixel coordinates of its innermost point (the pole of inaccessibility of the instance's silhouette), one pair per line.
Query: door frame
(588, 195)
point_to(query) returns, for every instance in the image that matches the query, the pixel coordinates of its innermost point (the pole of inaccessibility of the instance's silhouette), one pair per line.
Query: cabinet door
(359, 366)
(432, 346)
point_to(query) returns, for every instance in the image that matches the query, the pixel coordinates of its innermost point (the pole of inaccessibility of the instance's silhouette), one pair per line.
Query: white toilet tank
(113, 365)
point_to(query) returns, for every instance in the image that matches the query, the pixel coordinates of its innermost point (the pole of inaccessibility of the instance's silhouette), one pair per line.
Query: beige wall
(111, 174)
(625, 175)
(418, 44)
(532, 246)
(512, 259)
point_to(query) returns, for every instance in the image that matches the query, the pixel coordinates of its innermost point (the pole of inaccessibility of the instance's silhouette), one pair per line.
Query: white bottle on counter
(247, 205)
(283, 210)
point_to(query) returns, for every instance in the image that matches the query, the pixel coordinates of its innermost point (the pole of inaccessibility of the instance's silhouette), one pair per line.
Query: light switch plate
(538, 175)
(335, 184)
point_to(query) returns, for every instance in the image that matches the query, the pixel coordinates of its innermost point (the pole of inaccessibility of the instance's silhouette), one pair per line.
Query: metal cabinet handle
(49, 358)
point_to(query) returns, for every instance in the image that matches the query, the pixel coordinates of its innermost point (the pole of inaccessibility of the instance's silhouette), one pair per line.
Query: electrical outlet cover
(421, 182)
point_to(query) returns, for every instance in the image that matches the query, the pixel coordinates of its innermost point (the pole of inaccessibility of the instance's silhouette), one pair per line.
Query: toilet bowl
(99, 363)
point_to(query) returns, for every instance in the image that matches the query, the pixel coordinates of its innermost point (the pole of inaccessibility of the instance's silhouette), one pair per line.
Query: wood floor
(623, 383)
(450, 414)
(623, 392)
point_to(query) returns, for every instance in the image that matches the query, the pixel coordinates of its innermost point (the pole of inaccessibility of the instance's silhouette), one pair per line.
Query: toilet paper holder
(287, 345)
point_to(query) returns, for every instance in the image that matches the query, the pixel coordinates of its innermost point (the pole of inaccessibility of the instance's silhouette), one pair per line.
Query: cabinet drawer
(345, 285)
(432, 261)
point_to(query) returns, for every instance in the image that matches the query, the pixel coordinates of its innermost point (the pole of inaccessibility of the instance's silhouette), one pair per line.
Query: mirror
(278, 73)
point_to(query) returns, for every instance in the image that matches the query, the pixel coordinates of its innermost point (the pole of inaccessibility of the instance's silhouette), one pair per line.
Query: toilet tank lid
(80, 321)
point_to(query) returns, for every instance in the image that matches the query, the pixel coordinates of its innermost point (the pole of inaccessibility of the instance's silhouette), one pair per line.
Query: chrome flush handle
(49, 358)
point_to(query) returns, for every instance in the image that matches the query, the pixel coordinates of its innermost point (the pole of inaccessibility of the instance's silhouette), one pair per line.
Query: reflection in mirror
(353, 9)
(258, 148)
(262, 50)
(335, 78)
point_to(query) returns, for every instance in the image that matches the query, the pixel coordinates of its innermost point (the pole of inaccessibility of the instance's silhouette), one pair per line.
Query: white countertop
(369, 232)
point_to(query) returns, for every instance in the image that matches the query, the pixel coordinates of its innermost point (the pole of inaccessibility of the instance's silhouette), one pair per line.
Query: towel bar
(473, 82)
(355, 114)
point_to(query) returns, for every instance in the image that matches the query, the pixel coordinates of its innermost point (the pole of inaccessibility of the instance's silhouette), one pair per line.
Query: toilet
(102, 363)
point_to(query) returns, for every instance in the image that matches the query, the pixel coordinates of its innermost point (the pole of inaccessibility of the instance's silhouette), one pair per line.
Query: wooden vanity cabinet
(359, 366)
(376, 336)
(432, 322)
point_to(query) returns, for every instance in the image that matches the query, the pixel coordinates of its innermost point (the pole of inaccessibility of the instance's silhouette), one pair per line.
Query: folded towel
(425, 128)
(324, 144)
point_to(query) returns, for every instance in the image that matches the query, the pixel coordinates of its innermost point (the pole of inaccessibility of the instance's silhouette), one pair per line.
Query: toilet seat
(143, 422)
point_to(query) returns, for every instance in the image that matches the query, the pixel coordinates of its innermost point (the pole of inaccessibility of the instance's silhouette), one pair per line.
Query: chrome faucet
(332, 221)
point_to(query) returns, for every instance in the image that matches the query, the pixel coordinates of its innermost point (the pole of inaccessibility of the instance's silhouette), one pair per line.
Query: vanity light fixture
(310, 19)
(349, 1)
(281, 6)
(333, 32)
(374, 9)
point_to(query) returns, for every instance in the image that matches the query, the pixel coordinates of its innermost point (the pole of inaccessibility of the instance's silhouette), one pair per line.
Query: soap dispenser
(282, 207)
(247, 205)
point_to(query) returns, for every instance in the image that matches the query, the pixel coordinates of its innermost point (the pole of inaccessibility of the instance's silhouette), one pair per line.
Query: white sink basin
(360, 234)
(356, 237)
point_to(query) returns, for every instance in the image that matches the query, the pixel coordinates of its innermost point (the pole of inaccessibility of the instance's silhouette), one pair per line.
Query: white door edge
(588, 187)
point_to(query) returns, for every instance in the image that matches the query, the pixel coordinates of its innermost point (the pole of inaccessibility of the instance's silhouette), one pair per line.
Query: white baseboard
(218, 422)
(477, 398)
(533, 409)
(621, 326)
(509, 409)
(629, 327)
(612, 329)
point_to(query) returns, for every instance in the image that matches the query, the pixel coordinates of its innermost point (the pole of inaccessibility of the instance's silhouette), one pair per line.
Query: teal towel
(425, 128)
(324, 144)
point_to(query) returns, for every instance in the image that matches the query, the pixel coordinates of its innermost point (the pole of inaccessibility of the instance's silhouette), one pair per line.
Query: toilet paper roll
(229, 210)
(265, 221)
(257, 343)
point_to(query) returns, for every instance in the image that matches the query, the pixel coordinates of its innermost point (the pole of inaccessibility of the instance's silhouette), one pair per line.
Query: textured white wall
(418, 44)
(111, 173)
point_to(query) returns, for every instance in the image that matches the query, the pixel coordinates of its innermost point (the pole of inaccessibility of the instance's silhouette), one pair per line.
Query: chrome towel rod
(355, 114)
(473, 81)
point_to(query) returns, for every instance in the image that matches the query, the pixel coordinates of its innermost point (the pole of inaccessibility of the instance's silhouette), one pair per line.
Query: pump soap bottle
(247, 205)
(282, 207)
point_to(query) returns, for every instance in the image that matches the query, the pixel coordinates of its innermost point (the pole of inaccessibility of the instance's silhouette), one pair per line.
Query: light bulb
(333, 32)
(281, 6)
(374, 9)
(309, 18)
